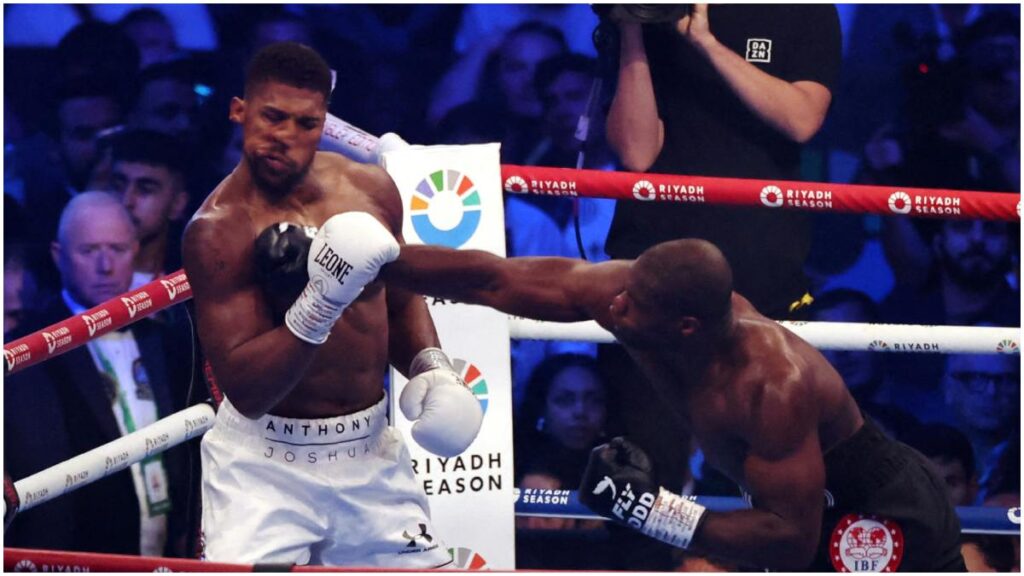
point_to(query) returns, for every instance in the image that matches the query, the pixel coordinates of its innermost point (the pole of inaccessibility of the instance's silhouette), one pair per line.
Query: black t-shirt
(709, 131)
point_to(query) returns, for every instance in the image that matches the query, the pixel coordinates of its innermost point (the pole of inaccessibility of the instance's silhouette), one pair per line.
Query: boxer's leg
(255, 510)
(383, 518)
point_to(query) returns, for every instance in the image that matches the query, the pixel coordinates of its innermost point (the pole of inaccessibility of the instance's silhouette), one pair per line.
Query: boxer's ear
(236, 111)
(688, 326)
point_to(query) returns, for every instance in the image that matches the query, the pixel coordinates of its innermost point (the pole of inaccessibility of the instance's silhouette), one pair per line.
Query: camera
(645, 13)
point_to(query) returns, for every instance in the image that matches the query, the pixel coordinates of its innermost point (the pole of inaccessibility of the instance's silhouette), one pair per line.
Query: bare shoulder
(783, 401)
(369, 181)
(593, 286)
(215, 242)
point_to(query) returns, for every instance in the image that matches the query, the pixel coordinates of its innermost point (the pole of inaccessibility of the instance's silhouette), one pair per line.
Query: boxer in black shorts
(765, 406)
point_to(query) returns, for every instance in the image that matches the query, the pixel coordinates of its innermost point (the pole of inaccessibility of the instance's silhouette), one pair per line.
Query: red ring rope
(771, 194)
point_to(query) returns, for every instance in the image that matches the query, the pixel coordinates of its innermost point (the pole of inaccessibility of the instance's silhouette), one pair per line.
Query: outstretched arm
(558, 289)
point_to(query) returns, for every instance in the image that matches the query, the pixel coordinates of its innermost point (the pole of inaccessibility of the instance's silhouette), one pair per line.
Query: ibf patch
(866, 543)
(759, 50)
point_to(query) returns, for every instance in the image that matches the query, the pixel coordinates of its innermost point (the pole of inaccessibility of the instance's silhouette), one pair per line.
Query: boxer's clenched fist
(448, 416)
(345, 255)
(618, 484)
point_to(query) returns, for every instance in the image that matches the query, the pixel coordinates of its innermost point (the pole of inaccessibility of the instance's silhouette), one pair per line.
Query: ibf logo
(759, 50)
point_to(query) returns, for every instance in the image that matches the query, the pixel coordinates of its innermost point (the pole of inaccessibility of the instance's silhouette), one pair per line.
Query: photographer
(725, 90)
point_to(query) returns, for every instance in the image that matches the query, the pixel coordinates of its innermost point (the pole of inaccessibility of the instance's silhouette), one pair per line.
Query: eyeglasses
(978, 382)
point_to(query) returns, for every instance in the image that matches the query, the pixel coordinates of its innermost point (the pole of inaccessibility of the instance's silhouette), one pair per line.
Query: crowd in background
(132, 101)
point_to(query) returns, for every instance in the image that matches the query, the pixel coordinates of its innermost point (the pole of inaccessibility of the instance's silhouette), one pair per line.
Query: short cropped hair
(151, 148)
(687, 277)
(292, 64)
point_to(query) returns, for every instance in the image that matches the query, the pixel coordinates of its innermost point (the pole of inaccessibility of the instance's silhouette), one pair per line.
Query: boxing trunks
(886, 510)
(336, 491)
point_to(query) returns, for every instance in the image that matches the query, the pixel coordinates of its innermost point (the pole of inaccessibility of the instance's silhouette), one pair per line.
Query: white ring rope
(823, 335)
(114, 456)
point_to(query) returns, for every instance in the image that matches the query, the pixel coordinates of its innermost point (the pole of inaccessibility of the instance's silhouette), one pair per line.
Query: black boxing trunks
(887, 510)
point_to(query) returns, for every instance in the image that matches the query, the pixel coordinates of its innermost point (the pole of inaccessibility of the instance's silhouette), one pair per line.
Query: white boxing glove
(448, 416)
(346, 254)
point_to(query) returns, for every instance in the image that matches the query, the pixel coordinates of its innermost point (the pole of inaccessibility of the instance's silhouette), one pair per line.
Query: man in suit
(119, 382)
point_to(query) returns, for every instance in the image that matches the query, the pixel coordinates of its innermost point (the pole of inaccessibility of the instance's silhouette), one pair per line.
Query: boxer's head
(676, 290)
(287, 88)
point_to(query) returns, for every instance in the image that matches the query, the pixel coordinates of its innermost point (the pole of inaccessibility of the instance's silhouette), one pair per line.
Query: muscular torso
(346, 372)
(721, 401)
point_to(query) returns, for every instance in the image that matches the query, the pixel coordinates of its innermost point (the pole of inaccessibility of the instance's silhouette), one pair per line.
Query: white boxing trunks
(335, 491)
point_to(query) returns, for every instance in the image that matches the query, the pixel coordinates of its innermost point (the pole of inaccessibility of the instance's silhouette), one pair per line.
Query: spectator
(504, 82)
(94, 49)
(167, 101)
(951, 453)
(562, 417)
(862, 371)
(87, 108)
(149, 173)
(960, 130)
(278, 26)
(563, 84)
(1001, 484)
(120, 382)
(152, 34)
(19, 287)
(469, 123)
(983, 394)
(970, 283)
(482, 31)
(507, 84)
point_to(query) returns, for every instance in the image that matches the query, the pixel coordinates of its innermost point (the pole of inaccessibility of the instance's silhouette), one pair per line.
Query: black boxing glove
(618, 484)
(280, 261)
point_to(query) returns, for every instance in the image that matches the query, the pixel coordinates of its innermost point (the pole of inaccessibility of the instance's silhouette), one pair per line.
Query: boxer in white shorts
(335, 491)
(282, 259)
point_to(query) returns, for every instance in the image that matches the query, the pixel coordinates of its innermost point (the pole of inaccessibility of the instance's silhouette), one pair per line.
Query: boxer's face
(636, 321)
(281, 127)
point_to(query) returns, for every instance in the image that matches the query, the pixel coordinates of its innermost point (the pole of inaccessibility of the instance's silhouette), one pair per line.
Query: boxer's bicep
(784, 468)
(230, 308)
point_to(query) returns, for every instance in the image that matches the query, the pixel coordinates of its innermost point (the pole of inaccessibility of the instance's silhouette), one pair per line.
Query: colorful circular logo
(866, 543)
(445, 209)
(474, 379)
(466, 559)
(878, 345)
(1007, 347)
